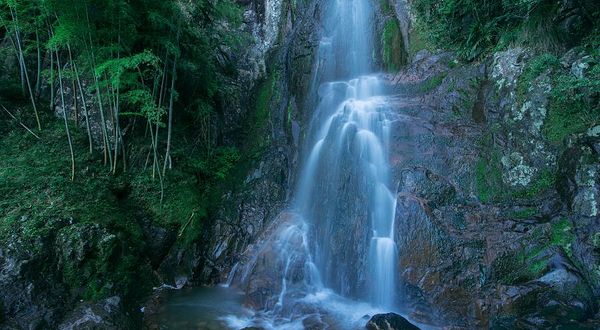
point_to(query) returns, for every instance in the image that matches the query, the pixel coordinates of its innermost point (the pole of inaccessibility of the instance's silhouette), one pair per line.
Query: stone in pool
(389, 321)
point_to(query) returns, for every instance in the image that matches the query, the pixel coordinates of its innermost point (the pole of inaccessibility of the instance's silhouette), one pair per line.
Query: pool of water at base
(218, 308)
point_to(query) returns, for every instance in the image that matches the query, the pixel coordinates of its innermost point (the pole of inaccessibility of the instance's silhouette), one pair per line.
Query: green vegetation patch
(569, 109)
(433, 82)
(99, 245)
(544, 182)
(524, 214)
(526, 263)
(393, 53)
(562, 235)
(488, 178)
(475, 28)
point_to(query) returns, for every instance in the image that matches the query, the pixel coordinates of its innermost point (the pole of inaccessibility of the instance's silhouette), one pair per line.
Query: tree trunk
(172, 99)
(24, 68)
(83, 102)
(62, 96)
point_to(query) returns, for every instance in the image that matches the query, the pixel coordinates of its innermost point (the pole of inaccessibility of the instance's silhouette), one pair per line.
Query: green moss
(524, 214)
(568, 111)
(393, 53)
(417, 41)
(562, 235)
(451, 86)
(263, 104)
(524, 264)
(386, 8)
(433, 82)
(96, 213)
(544, 182)
(36, 182)
(488, 178)
(256, 127)
(596, 240)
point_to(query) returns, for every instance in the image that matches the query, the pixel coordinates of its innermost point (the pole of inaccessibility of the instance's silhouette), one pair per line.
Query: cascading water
(347, 165)
(332, 260)
(354, 136)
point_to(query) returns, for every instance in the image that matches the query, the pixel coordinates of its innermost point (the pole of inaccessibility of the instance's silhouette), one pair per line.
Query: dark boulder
(390, 321)
(158, 241)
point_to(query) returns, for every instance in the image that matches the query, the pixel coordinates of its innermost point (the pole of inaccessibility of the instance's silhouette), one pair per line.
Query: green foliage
(524, 214)
(418, 40)
(477, 27)
(385, 7)
(128, 52)
(562, 235)
(256, 126)
(215, 166)
(570, 109)
(39, 201)
(523, 265)
(36, 182)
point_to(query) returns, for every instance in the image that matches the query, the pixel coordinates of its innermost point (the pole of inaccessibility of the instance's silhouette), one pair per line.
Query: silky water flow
(332, 259)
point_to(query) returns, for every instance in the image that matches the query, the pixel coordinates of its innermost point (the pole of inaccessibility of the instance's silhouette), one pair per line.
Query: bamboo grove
(140, 65)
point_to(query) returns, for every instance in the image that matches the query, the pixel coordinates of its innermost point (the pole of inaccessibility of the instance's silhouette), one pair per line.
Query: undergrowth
(475, 28)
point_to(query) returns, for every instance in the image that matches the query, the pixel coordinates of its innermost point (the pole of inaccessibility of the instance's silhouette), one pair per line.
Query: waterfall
(347, 162)
(334, 252)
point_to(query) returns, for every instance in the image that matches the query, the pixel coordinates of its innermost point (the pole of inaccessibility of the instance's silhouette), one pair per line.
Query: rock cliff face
(275, 72)
(495, 221)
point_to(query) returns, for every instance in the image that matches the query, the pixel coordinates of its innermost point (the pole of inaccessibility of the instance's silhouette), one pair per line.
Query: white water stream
(334, 257)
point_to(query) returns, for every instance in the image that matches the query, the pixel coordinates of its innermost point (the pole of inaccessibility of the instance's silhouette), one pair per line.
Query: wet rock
(282, 257)
(450, 251)
(28, 299)
(390, 321)
(75, 244)
(571, 56)
(424, 66)
(427, 185)
(105, 315)
(578, 176)
(581, 66)
(250, 210)
(516, 173)
(559, 296)
(508, 66)
(314, 323)
(573, 18)
(158, 241)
